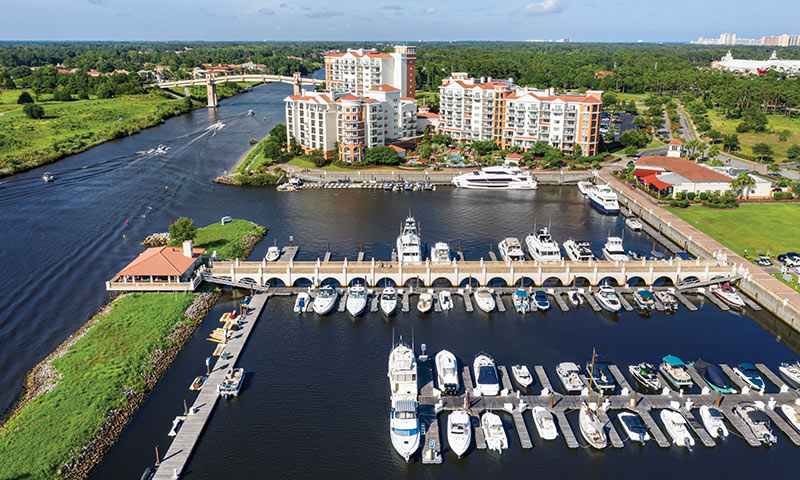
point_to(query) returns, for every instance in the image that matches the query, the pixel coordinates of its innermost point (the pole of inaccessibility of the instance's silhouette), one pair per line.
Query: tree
(714, 135)
(272, 150)
(425, 152)
(61, 94)
(793, 152)
(294, 147)
(609, 99)
(24, 98)
(741, 182)
(181, 230)
(318, 158)
(278, 133)
(33, 111)
(577, 151)
(752, 119)
(774, 168)
(713, 151)
(441, 139)
(762, 150)
(730, 142)
(635, 138)
(784, 135)
(105, 91)
(382, 156)
(483, 147)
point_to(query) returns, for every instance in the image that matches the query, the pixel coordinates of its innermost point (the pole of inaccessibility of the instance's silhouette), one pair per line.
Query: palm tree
(741, 182)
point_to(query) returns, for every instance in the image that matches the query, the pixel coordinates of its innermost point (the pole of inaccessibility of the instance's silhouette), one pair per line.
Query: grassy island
(232, 240)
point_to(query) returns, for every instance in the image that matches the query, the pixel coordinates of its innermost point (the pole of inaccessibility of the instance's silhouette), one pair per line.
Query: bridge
(211, 81)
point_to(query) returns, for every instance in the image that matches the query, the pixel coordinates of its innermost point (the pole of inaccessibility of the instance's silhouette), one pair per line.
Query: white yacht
(356, 300)
(409, 249)
(714, 422)
(522, 375)
(325, 300)
(677, 428)
(603, 198)
(232, 383)
(445, 300)
(301, 302)
(425, 302)
(634, 427)
(544, 423)
(485, 300)
(592, 428)
(584, 187)
(402, 370)
(792, 413)
(578, 251)
(447, 372)
(484, 371)
(728, 294)
(493, 432)
(388, 300)
(496, 178)
(273, 253)
(404, 426)
(608, 298)
(542, 247)
(569, 375)
(511, 250)
(613, 250)
(757, 421)
(459, 432)
(791, 370)
(634, 224)
(674, 370)
(440, 253)
(522, 302)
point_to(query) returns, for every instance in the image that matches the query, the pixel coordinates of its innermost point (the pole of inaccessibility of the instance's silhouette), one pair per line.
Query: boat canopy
(405, 405)
(646, 294)
(521, 293)
(673, 361)
(487, 375)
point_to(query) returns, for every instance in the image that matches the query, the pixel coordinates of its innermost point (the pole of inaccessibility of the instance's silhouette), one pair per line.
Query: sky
(391, 20)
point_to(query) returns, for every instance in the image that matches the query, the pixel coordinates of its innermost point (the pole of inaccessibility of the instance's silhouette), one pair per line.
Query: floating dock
(467, 301)
(501, 306)
(566, 429)
(591, 301)
(685, 301)
(287, 254)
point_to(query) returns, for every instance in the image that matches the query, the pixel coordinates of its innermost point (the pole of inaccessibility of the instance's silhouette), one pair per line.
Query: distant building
(757, 67)
(426, 119)
(784, 40)
(359, 71)
(602, 74)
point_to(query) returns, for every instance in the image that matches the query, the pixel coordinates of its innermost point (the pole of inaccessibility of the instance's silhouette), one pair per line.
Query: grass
(228, 239)
(304, 163)
(94, 375)
(777, 123)
(759, 228)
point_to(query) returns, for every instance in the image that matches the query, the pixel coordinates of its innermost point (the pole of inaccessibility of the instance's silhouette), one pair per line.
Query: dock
(360, 256)
(655, 432)
(771, 376)
(624, 302)
(591, 301)
(543, 380)
(671, 246)
(505, 379)
(501, 306)
(613, 435)
(736, 379)
(406, 301)
(437, 306)
(685, 301)
(566, 429)
(713, 299)
(467, 300)
(492, 256)
(343, 300)
(559, 298)
(783, 426)
(621, 381)
(374, 300)
(327, 257)
(699, 430)
(522, 430)
(287, 254)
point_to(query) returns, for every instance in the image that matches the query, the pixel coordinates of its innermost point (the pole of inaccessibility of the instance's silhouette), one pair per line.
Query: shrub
(679, 203)
(778, 196)
(680, 196)
(691, 195)
(33, 111)
(24, 98)
(61, 94)
(703, 196)
(788, 195)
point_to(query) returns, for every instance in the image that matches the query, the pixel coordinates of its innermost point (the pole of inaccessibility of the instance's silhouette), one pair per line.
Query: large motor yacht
(447, 372)
(613, 250)
(511, 249)
(608, 298)
(542, 247)
(404, 426)
(603, 199)
(578, 251)
(496, 178)
(402, 370)
(409, 249)
(485, 372)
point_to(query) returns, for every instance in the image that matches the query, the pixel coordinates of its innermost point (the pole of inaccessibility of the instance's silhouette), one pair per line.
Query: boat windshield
(389, 296)
(405, 432)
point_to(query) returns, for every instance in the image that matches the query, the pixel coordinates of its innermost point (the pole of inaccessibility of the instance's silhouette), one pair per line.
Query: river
(315, 400)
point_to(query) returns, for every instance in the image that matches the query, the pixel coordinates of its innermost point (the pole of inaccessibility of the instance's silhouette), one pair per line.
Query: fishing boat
(325, 300)
(633, 425)
(714, 422)
(749, 375)
(608, 298)
(48, 177)
(678, 428)
(511, 250)
(459, 432)
(668, 300)
(404, 426)
(603, 198)
(356, 299)
(714, 376)
(645, 302)
(633, 223)
(402, 369)
(792, 413)
(232, 383)
(522, 302)
(198, 382)
(493, 432)
(440, 253)
(425, 302)
(613, 250)
(600, 376)
(727, 294)
(301, 302)
(583, 187)
(791, 370)
(445, 300)
(542, 247)
(484, 371)
(674, 370)
(574, 297)
(569, 375)
(540, 300)
(522, 375)
(592, 428)
(545, 425)
(647, 376)
(388, 301)
(273, 253)
(447, 372)
(578, 251)
(485, 299)
(757, 421)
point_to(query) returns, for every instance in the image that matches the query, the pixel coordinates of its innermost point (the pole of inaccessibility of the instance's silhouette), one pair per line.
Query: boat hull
(459, 441)
(603, 209)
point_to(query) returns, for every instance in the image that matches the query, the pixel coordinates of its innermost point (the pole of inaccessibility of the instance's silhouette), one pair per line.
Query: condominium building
(358, 71)
(485, 109)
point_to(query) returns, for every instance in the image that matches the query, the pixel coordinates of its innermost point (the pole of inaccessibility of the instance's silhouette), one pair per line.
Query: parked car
(764, 261)
(789, 259)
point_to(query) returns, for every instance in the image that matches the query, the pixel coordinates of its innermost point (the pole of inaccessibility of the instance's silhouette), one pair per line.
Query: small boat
(511, 250)
(447, 372)
(645, 301)
(225, 220)
(757, 421)
(678, 428)
(574, 297)
(727, 294)
(578, 251)
(485, 300)
(48, 177)
(792, 414)
(569, 375)
(544, 423)
(633, 223)
(388, 300)
(325, 300)
(634, 427)
(668, 300)
(301, 302)
(287, 187)
(356, 300)
(232, 383)
(791, 370)
(250, 113)
(493, 432)
(540, 300)
(484, 371)
(646, 375)
(600, 376)
(440, 253)
(522, 302)
(674, 370)
(583, 187)
(198, 382)
(425, 302)
(613, 250)
(608, 298)
(749, 375)
(404, 426)
(714, 376)
(445, 300)
(592, 428)
(522, 375)
(273, 253)
(459, 432)
(714, 422)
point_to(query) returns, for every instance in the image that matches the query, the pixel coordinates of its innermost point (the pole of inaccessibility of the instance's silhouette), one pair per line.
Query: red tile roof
(514, 156)
(675, 141)
(683, 167)
(385, 88)
(427, 115)
(397, 149)
(161, 262)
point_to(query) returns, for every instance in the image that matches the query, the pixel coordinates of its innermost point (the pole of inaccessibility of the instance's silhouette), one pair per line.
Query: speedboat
(633, 223)
(511, 250)
(301, 302)
(540, 300)
(674, 370)
(425, 302)
(493, 432)
(542, 247)
(356, 299)
(440, 253)
(459, 432)
(447, 372)
(792, 413)
(522, 375)
(402, 370)
(48, 177)
(727, 294)
(714, 422)
(325, 301)
(496, 178)
(522, 302)
(485, 300)
(388, 300)
(544, 423)
(608, 298)
(409, 249)
(791, 370)
(757, 421)
(678, 428)
(600, 376)
(668, 300)
(583, 187)
(569, 375)
(273, 253)
(592, 428)
(749, 375)
(232, 383)
(578, 251)
(613, 250)
(404, 426)
(714, 377)
(574, 297)
(647, 376)
(644, 299)
(445, 300)
(603, 199)
(487, 382)
(634, 427)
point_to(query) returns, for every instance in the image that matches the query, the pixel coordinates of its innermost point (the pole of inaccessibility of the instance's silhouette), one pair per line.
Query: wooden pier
(624, 302)
(744, 430)
(699, 430)
(613, 435)
(287, 254)
(713, 299)
(621, 381)
(406, 300)
(590, 300)
(655, 432)
(558, 297)
(467, 300)
(776, 380)
(566, 429)
(685, 301)
(522, 430)
(501, 306)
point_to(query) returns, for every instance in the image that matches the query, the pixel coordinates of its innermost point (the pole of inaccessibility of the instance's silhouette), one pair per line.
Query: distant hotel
(757, 67)
(784, 40)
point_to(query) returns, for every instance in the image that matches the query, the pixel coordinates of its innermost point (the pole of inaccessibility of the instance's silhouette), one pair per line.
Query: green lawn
(777, 123)
(756, 227)
(303, 163)
(94, 374)
(226, 239)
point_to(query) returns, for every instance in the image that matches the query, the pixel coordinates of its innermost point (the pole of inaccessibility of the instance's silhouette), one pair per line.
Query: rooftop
(161, 261)
(683, 167)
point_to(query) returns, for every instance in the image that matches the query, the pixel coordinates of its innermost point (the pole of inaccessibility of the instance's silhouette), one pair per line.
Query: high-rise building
(358, 71)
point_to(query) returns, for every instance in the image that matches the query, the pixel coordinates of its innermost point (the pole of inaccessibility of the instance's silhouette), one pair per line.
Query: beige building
(358, 71)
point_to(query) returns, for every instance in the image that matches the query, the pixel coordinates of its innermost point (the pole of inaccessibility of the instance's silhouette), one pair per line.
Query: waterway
(315, 401)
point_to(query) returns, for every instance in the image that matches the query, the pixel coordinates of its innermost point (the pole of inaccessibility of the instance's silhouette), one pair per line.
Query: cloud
(324, 13)
(543, 7)
(265, 11)
(430, 10)
(391, 7)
